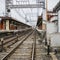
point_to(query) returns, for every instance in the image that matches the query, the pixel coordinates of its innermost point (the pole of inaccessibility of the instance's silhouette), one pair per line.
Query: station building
(57, 10)
(8, 23)
(51, 21)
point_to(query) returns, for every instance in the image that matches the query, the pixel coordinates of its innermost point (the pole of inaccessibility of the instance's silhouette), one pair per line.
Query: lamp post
(48, 46)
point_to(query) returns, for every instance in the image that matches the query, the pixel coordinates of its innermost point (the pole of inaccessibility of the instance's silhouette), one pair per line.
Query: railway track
(23, 48)
(10, 40)
(41, 51)
(29, 47)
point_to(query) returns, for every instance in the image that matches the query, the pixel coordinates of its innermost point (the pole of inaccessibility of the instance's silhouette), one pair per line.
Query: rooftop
(11, 19)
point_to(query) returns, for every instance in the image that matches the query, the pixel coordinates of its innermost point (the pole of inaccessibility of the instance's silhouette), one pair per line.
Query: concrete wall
(51, 28)
(59, 21)
(44, 14)
(55, 40)
(7, 24)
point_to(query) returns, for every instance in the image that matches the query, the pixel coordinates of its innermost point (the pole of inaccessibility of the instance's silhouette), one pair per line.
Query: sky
(31, 14)
(52, 3)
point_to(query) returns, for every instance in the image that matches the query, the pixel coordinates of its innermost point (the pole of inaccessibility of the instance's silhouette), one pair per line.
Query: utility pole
(48, 46)
(46, 10)
(45, 19)
(46, 25)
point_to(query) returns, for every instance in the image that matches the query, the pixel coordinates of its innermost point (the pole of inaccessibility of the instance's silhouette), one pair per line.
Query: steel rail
(17, 45)
(34, 46)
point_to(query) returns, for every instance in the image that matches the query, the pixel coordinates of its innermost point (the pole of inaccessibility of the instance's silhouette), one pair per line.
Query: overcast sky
(51, 4)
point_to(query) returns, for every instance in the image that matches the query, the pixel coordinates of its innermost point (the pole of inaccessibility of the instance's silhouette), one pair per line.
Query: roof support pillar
(7, 24)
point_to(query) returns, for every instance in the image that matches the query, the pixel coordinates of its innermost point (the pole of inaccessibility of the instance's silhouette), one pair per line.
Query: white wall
(59, 21)
(55, 40)
(51, 28)
(44, 14)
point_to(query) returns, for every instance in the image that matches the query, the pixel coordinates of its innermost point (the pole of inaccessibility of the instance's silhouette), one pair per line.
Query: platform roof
(12, 19)
(57, 7)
